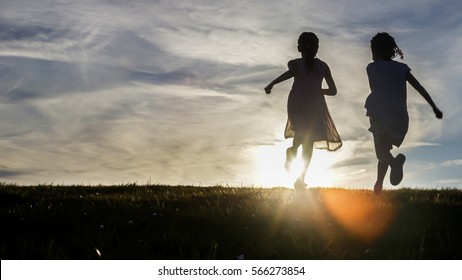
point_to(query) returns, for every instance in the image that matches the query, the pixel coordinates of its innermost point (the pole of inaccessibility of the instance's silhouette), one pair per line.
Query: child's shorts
(382, 142)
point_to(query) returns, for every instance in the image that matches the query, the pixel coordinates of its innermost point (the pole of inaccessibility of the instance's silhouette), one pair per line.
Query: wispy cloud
(454, 162)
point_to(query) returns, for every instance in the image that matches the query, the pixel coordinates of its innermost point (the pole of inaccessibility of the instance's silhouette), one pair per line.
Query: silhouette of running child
(309, 122)
(386, 105)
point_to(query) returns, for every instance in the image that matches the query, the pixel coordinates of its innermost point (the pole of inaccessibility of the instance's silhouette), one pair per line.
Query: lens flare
(362, 214)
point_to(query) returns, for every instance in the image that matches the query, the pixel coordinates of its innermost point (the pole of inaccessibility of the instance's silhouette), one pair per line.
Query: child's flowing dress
(307, 108)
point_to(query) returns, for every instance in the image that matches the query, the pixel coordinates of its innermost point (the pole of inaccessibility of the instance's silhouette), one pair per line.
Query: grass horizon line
(224, 185)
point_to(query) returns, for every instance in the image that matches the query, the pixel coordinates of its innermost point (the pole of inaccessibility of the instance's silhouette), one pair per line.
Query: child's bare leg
(298, 140)
(383, 147)
(382, 150)
(382, 168)
(291, 152)
(307, 153)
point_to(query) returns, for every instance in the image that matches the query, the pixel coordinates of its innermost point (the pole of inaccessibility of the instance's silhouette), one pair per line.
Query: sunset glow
(270, 167)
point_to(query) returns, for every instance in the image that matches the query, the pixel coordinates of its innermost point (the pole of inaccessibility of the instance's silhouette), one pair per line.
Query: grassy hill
(186, 222)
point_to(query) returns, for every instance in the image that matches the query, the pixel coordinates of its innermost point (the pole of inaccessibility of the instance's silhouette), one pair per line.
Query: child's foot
(396, 174)
(377, 188)
(299, 185)
(291, 153)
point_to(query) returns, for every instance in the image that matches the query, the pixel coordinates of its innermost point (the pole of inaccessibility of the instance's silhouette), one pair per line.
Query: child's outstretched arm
(332, 89)
(420, 89)
(284, 76)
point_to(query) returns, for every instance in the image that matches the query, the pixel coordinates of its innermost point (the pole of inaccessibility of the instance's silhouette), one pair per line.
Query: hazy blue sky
(172, 91)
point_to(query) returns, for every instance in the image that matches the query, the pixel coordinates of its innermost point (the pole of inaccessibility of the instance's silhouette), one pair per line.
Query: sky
(171, 92)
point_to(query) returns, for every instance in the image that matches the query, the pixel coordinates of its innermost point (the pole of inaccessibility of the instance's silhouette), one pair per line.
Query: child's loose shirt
(387, 101)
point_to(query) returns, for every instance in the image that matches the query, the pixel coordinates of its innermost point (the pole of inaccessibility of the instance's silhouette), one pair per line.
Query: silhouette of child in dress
(309, 122)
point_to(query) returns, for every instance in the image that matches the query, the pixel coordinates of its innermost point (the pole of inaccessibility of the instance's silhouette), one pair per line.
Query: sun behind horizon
(270, 170)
